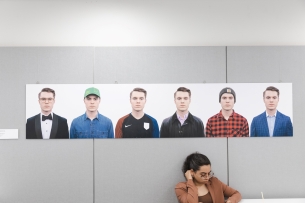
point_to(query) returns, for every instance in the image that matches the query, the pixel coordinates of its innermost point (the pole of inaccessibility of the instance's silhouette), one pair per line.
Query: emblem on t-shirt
(146, 126)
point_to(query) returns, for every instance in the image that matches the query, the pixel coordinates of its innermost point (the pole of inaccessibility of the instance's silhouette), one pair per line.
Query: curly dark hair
(195, 161)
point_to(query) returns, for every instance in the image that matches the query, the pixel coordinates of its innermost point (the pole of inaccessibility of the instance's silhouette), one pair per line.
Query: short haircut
(271, 88)
(195, 161)
(46, 89)
(183, 89)
(138, 89)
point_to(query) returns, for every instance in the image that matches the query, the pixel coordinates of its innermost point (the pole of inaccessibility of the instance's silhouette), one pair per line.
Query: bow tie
(46, 117)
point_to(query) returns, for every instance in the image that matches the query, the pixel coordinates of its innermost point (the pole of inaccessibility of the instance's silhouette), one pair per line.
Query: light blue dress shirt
(271, 122)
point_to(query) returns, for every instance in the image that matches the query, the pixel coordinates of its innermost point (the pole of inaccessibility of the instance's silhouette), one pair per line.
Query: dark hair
(195, 161)
(271, 88)
(47, 90)
(138, 89)
(183, 89)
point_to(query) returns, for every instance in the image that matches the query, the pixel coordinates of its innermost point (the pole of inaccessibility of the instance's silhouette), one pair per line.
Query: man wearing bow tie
(47, 125)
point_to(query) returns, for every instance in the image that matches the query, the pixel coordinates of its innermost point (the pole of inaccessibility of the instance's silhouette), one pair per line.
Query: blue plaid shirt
(99, 127)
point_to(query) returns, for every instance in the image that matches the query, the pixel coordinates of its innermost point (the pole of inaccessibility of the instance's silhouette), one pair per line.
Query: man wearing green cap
(92, 124)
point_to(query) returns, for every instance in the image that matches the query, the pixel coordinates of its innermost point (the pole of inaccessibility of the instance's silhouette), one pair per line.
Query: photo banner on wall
(158, 110)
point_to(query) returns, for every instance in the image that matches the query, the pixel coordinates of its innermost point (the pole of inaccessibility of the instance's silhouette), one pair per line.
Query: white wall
(152, 23)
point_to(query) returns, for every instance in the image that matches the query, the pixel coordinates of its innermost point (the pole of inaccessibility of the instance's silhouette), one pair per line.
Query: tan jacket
(187, 192)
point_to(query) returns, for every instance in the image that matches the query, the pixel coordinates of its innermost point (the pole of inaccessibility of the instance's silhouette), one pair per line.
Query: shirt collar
(86, 117)
(219, 115)
(271, 116)
(182, 118)
(188, 118)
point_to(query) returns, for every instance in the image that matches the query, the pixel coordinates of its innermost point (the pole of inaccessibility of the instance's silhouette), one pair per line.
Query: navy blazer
(282, 126)
(59, 128)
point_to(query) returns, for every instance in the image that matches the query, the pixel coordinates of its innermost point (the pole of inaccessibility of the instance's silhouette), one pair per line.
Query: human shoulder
(181, 185)
(215, 180)
(168, 119)
(260, 116)
(236, 115)
(59, 117)
(80, 118)
(121, 120)
(196, 119)
(214, 117)
(216, 183)
(150, 117)
(33, 118)
(103, 118)
(279, 114)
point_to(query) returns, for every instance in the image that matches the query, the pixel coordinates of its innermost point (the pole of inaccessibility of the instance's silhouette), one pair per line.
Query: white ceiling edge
(152, 23)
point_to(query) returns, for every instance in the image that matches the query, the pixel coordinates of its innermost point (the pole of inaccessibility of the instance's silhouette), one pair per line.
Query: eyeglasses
(210, 175)
(46, 99)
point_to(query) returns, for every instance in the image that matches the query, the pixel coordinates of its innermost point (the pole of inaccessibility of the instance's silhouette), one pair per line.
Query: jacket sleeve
(187, 192)
(118, 129)
(110, 132)
(201, 128)
(28, 131)
(233, 195)
(245, 129)
(253, 129)
(156, 133)
(72, 131)
(164, 129)
(289, 128)
(66, 130)
(208, 129)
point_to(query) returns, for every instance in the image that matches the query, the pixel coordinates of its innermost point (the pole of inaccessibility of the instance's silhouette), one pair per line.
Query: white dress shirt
(46, 126)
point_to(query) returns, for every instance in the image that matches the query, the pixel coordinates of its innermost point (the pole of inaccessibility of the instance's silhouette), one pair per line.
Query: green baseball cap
(92, 90)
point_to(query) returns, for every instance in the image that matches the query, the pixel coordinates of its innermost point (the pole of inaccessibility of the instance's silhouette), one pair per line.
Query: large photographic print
(63, 111)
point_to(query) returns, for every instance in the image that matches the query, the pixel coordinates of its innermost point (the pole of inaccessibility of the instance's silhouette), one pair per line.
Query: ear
(192, 172)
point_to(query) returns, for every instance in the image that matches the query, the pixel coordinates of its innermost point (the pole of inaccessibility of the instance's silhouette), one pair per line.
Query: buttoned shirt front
(235, 126)
(84, 127)
(46, 127)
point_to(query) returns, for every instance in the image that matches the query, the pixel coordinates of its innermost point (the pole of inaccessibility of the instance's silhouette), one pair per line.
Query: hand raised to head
(188, 175)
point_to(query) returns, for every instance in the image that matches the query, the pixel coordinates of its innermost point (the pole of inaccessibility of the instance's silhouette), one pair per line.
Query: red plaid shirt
(235, 126)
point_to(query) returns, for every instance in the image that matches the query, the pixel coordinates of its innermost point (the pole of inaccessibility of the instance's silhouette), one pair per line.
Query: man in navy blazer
(47, 125)
(271, 123)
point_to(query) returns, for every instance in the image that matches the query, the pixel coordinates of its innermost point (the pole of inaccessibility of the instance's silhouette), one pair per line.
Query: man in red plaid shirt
(227, 123)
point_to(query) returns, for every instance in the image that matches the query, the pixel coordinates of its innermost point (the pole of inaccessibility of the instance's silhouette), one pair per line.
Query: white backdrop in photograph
(69, 100)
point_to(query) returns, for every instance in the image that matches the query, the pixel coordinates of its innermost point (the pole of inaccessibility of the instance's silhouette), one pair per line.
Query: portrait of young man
(91, 124)
(182, 123)
(137, 124)
(227, 123)
(271, 123)
(46, 124)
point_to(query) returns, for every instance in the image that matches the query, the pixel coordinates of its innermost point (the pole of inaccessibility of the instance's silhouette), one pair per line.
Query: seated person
(201, 186)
